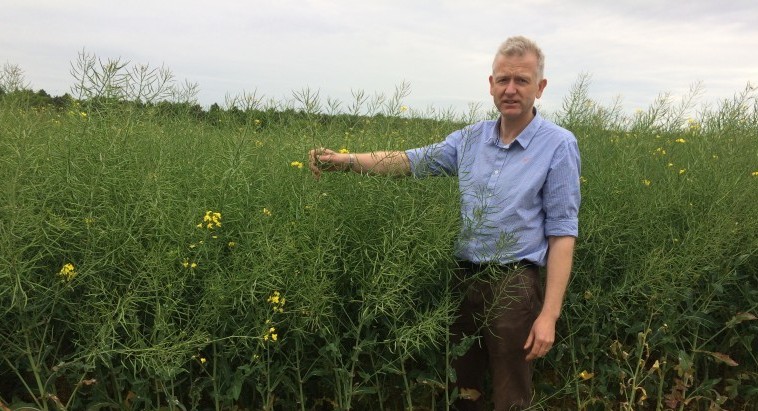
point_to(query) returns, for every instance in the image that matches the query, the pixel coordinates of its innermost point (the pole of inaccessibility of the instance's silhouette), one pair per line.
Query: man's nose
(510, 87)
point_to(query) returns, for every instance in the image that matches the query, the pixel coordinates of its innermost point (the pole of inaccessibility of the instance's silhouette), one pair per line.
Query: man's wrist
(350, 162)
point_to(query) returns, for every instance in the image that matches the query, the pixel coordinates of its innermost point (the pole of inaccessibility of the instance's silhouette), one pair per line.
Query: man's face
(515, 85)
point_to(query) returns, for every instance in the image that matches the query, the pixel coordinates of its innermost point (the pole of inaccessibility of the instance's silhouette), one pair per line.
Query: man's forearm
(559, 262)
(391, 163)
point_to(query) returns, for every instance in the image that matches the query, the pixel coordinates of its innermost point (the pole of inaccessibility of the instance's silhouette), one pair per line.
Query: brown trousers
(500, 309)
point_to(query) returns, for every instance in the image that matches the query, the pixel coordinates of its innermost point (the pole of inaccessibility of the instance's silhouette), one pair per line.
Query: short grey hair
(519, 46)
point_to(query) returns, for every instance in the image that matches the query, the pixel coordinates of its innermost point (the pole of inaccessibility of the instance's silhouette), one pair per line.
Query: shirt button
(496, 172)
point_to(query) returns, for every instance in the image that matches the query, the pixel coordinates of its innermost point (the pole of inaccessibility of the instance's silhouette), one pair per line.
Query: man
(519, 184)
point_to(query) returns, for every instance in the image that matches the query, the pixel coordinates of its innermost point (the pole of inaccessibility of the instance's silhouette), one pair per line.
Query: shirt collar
(526, 135)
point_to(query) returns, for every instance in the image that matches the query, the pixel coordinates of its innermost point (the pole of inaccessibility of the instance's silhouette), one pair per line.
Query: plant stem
(36, 371)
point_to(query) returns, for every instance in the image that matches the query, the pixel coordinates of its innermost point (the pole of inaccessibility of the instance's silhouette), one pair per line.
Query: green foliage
(160, 256)
(665, 268)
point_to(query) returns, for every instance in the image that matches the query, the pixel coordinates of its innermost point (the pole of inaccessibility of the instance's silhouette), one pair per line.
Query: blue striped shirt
(512, 196)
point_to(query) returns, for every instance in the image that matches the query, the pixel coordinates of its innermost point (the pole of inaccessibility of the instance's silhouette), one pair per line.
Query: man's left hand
(541, 337)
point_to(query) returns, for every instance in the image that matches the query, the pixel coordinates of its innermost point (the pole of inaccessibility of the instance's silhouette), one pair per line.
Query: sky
(631, 50)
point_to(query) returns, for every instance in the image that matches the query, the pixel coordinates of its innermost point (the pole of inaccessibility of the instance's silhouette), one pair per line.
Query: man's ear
(541, 87)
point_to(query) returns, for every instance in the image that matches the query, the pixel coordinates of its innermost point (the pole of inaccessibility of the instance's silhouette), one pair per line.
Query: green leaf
(684, 367)
(365, 390)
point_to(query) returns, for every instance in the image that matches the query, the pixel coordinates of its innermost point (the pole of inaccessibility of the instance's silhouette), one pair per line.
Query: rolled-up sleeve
(561, 193)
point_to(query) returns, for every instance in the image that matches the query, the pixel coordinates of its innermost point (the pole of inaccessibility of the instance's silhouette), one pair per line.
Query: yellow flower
(682, 171)
(211, 220)
(266, 212)
(754, 174)
(231, 244)
(582, 179)
(277, 302)
(680, 140)
(343, 150)
(83, 114)
(271, 334)
(296, 164)
(646, 182)
(274, 298)
(67, 272)
(403, 108)
(185, 263)
(586, 375)
(203, 360)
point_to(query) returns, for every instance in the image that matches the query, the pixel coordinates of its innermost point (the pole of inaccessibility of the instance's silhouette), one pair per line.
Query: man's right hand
(323, 159)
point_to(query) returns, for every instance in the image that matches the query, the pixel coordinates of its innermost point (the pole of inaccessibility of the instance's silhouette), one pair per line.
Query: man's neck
(509, 130)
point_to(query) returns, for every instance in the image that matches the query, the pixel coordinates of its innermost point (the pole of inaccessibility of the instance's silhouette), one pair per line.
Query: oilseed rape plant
(277, 302)
(271, 334)
(234, 280)
(67, 272)
(211, 220)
